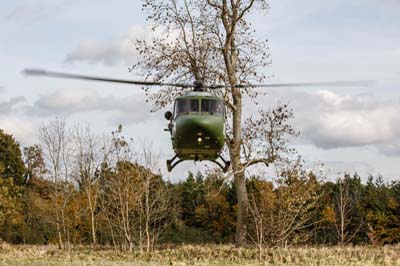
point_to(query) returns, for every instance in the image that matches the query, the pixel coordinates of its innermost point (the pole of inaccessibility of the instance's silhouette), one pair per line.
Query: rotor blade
(350, 83)
(41, 72)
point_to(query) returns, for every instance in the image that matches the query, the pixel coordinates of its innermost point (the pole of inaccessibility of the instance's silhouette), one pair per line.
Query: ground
(214, 255)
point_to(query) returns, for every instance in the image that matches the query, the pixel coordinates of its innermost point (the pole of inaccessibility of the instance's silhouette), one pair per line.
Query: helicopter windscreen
(212, 106)
(186, 106)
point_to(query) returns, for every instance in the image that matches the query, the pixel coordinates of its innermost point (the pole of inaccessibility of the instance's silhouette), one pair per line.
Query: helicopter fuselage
(198, 126)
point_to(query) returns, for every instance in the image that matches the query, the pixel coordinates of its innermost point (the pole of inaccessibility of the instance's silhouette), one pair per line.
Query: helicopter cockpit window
(212, 106)
(186, 106)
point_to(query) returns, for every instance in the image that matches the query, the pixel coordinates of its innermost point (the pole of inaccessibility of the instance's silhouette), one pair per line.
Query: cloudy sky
(347, 129)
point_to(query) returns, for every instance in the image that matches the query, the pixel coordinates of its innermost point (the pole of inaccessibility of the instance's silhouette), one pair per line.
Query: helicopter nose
(205, 129)
(200, 131)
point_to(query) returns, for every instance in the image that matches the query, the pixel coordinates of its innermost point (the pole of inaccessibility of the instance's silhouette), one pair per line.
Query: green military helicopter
(197, 128)
(197, 123)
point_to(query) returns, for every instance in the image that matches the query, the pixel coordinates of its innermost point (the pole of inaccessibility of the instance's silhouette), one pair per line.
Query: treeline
(75, 188)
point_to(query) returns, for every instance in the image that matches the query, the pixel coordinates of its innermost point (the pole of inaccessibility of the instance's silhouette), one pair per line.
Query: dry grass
(203, 255)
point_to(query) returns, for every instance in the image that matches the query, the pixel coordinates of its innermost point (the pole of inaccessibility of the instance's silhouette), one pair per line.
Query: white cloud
(351, 128)
(130, 109)
(10, 105)
(23, 129)
(330, 120)
(391, 150)
(353, 121)
(120, 49)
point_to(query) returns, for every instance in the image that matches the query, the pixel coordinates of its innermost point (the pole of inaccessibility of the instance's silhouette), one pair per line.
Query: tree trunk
(92, 220)
(60, 241)
(238, 171)
(147, 214)
(230, 59)
(235, 153)
(92, 217)
(243, 204)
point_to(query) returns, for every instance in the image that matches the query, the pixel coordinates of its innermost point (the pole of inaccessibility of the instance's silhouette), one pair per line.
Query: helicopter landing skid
(224, 165)
(171, 164)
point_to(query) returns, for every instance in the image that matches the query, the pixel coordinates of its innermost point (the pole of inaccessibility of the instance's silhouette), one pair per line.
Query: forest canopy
(82, 189)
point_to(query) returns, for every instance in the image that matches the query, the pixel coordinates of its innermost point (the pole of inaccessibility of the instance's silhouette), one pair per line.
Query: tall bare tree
(55, 143)
(157, 204)
(346, 199)
(87, 164)
(121, 190)
(213, 40)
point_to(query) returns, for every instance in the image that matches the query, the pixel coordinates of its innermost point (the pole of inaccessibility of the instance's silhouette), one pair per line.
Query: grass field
(203, 255)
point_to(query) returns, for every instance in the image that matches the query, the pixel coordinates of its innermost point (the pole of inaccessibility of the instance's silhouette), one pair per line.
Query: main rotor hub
(198, 85)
